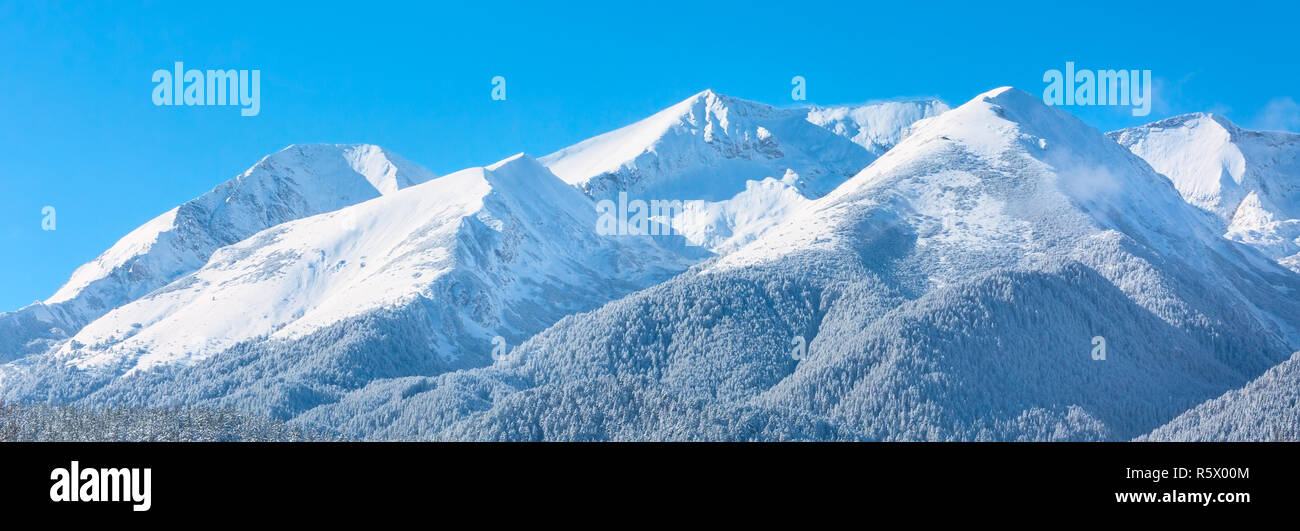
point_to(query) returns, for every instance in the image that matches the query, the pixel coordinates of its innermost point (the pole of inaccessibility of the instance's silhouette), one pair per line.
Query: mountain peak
(520, 159)
(1244, 177)
(523, 176)
(708, 145)
(1001, 92)
(989, 122)
(713, 97)
(1002, 159)
(1022, 104)
(1192, 119)
(710, 106)
(383, 169)
(706, 94)
(298, 181)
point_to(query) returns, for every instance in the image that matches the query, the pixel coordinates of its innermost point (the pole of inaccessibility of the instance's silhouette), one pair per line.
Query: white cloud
(1281, 114)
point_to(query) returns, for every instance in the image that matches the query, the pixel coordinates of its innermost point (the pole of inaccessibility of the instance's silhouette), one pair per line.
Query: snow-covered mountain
(706, 148)
(299, 181)
(725, 155)
(1250, 179)
(1266, 409)
(704, 139)
(954, 289)
(444, 267)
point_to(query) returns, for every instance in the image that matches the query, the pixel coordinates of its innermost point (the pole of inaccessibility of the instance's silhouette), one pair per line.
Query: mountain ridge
(723, 155)
(949, 291)
(1246, 178)
(952, 289)
(299, 180)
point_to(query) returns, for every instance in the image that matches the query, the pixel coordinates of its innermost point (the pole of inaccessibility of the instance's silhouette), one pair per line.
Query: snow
(281, 277)
(879, 126)
(707, 146)
(1064, 177)
(298, 277)
(947, 268)
(729, 156)
(723, 226)
(1246, 178)
(136, 243)
(949, 291)
(298, 181)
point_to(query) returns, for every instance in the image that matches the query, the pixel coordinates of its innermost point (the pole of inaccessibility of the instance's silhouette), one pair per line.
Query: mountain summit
(298, 181)
(1246, 178)
(707, 146)
(741, 166)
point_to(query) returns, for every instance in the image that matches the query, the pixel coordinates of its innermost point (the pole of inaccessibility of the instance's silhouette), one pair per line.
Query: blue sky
(80, 133)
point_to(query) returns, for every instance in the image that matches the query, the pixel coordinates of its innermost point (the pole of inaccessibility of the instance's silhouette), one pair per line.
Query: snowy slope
(1268, 409)
(723, 226)
(299, 181)
(1249, 179)
(951, 290)
(714, 151)
(706, 147)
(876, 127)
(504, 250)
